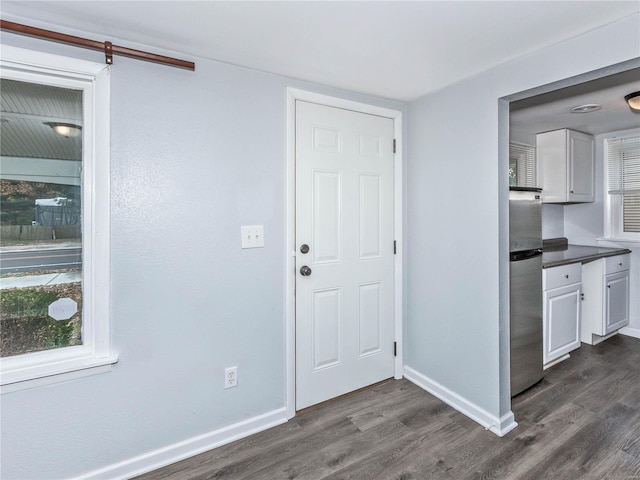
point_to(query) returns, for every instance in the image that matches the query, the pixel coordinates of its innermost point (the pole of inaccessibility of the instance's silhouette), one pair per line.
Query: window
(522, 165)
(54, 216)
(622, 156)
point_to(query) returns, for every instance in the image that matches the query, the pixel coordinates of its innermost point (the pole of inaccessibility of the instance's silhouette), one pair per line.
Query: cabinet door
(581, 168)
(551, 155)
(616, 304)
(561, 321)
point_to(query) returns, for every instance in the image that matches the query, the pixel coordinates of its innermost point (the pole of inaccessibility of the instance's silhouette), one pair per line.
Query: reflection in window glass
(40, 217)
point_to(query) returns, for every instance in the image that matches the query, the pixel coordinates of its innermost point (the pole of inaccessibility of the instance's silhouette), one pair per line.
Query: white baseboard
(188, 448)
(499, 426)
(566, 356)
(630, 332)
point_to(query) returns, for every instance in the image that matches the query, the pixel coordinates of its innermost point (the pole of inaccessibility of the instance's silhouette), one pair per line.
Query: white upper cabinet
(566, 166)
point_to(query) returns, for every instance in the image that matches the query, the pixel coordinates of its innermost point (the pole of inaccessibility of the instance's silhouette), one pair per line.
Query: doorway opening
(545, 108)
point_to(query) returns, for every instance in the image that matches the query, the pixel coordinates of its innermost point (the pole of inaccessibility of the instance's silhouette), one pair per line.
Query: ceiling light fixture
(65, 129)
(633, 99)
(587, 108)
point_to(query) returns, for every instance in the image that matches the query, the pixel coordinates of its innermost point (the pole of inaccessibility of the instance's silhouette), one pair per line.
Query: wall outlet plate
(230, 377)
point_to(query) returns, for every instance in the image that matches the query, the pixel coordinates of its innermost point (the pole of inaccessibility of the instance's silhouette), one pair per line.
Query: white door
(344, 215)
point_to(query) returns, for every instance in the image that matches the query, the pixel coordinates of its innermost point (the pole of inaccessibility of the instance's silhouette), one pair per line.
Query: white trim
(500, 426)
(618, 240)
(49, 64)
(294, 94)
(176, 452)
(101, 203)
(558, 360)
(630, 332)
(93, 79)
(66, 372)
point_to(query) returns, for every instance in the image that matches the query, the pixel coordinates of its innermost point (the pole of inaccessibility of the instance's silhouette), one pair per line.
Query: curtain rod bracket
(108, 53)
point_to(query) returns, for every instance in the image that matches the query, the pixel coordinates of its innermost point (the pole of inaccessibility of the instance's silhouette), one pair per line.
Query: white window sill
(618, 240)
(37, 376)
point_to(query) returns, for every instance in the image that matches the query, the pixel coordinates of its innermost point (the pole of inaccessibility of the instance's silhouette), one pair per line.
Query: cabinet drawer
(562, 275)
(618, 263)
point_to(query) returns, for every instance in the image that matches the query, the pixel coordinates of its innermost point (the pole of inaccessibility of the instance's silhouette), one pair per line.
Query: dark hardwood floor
(581, 422)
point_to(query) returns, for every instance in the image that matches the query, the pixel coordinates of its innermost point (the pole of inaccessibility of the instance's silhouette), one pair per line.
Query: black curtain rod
(107, 47)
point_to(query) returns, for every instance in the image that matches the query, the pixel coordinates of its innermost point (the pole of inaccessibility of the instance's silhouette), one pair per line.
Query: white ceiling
(551, 111)
(394, 49)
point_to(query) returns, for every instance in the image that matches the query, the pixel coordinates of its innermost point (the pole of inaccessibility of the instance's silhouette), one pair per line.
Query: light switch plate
(252, 236)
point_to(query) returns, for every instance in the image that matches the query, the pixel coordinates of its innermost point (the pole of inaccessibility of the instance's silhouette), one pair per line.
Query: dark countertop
(556, 253)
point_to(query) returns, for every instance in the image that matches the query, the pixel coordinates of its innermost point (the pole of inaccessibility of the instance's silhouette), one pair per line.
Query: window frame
(95, 353)
(613, 210)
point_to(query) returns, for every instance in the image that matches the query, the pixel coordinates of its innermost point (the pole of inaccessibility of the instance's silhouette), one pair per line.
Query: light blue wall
(457, 225)
(194, 156)
(552, 221)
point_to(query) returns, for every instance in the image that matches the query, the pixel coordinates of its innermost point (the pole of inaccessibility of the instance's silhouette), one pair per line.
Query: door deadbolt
(304, 248)
(305, 271)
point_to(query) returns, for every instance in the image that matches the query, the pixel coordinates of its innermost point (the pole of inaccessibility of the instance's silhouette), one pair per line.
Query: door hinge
(394, 247)
(394, 145)
(395, 349)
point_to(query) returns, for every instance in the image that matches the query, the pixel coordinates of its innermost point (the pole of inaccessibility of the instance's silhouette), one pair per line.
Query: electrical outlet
(230, 377)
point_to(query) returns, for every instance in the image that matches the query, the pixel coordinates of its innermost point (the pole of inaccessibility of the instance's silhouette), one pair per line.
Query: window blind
(522, 165)
(623, 167)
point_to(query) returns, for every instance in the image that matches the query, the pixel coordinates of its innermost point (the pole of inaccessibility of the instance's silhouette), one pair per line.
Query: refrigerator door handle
(524, 255)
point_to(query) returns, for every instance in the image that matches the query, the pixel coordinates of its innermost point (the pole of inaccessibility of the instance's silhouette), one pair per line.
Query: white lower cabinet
(562, 289)
(606, 297)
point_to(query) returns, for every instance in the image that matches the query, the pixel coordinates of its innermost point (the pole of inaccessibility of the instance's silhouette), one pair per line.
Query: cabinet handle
(582, 296)
(566, 276)
(620, 264)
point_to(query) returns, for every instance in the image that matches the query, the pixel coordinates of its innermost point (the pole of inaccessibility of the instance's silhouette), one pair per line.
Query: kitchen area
(574, 209)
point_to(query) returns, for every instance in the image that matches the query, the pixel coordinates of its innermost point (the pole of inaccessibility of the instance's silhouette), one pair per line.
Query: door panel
(582, 171)
(344, 213)
(562, 321)
(370, 319)
(616, 301)
(326, 216)
(326, 328)
(370, 216)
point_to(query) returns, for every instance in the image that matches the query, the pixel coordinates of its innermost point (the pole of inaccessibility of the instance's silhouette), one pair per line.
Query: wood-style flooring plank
(583, 451)
(618, 466)
(266, 457)
(582, 422)
(340, 453)
(534, 444)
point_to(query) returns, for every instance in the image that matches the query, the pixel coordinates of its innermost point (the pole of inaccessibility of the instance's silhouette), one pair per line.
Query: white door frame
(294, 94)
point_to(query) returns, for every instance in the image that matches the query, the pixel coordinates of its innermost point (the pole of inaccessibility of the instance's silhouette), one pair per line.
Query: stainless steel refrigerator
(525, 274)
